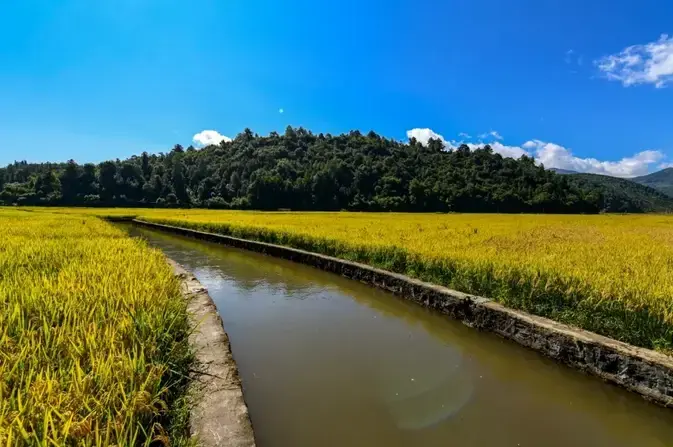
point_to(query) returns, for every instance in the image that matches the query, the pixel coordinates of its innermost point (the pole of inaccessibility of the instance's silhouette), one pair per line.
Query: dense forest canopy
(304, 171)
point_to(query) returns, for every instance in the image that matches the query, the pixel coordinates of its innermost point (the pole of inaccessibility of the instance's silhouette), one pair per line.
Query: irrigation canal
(326, 361)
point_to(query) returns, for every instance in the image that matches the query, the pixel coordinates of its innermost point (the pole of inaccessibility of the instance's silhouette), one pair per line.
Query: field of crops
(93, 336)
(611, 274)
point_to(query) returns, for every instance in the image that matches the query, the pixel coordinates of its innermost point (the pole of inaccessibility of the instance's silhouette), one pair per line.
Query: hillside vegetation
(623, 195)
(304, 171)
(661, 180)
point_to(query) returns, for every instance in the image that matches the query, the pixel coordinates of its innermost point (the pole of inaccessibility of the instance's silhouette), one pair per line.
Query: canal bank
(329, 361)
(643, 371)
(218, 413)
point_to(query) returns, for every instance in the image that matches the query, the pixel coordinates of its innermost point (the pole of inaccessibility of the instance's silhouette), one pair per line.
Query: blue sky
(579, 84)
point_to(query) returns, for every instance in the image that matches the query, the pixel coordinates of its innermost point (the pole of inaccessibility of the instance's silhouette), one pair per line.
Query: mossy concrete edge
(643, 371)
(219, 415)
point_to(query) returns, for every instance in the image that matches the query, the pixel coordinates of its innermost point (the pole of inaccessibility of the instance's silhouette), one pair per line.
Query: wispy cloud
(651, 63)
(553, 155)
(491, 134)
(464, 135)
(208, 137)
(574, 60)
(569, 56)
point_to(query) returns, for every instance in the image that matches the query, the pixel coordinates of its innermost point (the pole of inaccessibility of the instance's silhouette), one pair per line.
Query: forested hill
(619, 191)
(302, 170)
(661, 180)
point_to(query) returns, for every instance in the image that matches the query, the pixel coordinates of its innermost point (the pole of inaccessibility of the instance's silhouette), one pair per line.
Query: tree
(267, 191)
(171, 199)
(146, 166)
(47, 184)
(246, 135)
(107, 178)
(132, 181)
(152, 189)
(179, 184)
(324, 191)
(235, 183)
(290, 134)
(70, 182)
(88, 184)
(435, 145)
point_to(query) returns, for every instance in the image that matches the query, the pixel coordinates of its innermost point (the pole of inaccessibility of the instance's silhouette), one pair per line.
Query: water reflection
(327, 361)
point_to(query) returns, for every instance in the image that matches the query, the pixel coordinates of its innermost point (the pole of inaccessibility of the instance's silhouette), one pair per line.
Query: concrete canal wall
(642, 371)
(219, 415)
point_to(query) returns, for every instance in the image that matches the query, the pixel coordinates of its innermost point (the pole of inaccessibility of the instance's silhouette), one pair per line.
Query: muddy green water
(326, 361)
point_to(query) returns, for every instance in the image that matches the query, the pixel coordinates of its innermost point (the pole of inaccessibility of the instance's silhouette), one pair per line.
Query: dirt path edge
(643, 371)
(219, 415)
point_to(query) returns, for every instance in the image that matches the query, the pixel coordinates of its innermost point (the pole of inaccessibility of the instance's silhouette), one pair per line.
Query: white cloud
(424, 135)
(508, 151)
(651, 63)
(464, 135)
(281, 111)
(553, 155)
(208, 137)
(491, 134)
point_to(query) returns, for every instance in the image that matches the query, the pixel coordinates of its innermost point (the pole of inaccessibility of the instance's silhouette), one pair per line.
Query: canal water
(326, 361)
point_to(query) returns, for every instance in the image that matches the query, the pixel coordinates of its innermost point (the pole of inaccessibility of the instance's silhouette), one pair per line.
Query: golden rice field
(612, 274)
(93, 336)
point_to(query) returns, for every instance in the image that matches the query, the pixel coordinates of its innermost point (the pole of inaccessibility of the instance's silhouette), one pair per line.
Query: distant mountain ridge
(563, 171)
(660, 180)
(626, 194)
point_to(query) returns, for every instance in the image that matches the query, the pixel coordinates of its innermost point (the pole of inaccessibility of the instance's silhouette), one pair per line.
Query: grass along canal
(329, 361)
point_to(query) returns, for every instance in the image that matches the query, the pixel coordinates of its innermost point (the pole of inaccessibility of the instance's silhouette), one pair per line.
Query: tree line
(300, 170)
